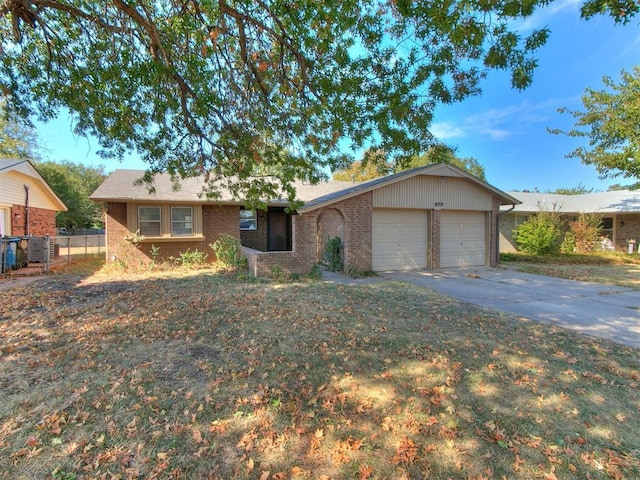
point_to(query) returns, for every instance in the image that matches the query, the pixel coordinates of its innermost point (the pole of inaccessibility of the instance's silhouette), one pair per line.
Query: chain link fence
(41, 252)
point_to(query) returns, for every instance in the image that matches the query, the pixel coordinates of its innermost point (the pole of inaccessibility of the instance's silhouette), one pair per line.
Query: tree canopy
(579, 190)
(374, 164)
(222, 88)
(611, 122)
(443, 153)
(74, 183)
(17, 140)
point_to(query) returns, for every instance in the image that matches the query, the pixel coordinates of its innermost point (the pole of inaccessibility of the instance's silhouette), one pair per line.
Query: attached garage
(463, 239)
(399, 239)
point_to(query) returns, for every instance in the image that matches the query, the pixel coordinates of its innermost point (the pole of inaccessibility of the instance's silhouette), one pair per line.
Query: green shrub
(193, 259)
(333, 254)
(277, 273)
(315, 273)
(568, 243)
(540, 234)
(228, 252)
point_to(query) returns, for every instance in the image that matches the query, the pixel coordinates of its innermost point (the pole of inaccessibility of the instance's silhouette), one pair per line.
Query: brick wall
(331, 224)
(41, 222)
(507, 225)
(435, 239)
(309, 230)
(358, 212)
(626, 227)
(494, 248)
(256, 239)
(216, 220)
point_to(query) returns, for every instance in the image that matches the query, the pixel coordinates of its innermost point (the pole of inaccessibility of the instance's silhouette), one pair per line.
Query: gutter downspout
(26, 211)
(497, 259)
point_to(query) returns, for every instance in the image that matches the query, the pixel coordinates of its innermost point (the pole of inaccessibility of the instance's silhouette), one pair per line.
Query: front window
(149, 221)
(606, 227)
(248, 220)
(520, 219)
(181, 221)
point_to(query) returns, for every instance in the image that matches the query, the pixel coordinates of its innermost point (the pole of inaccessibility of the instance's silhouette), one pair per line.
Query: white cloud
(447, 130)
(542, 16)
(496, 123)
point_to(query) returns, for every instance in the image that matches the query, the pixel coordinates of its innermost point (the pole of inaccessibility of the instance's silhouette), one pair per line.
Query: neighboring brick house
(620, 211)
(429, 217)
(28, 205)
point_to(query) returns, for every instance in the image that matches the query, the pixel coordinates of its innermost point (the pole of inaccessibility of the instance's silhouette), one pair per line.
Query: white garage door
(399, 239)
(462, 239)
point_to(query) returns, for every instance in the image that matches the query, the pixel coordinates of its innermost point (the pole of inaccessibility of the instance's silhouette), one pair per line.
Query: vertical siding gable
(422, 191)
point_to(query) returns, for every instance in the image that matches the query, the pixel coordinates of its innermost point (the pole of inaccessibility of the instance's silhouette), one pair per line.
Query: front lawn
(610, 268)
(197, 375)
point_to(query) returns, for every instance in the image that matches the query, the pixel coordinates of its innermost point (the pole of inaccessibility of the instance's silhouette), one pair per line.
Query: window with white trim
(181, 221)
(149, 221)
(248, 220)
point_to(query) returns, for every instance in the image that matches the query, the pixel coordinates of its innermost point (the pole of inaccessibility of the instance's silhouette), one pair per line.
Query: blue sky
(504, 129)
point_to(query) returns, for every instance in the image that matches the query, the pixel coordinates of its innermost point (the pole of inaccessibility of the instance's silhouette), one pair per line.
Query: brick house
(620, 211)
(429, 217)
(28, 205)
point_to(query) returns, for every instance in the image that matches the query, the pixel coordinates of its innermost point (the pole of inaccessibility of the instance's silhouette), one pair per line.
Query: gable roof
(617, 201)
(121, 186)
(26, 168)
(437, 169)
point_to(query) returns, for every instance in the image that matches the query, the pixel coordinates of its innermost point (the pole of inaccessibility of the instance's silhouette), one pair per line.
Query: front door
(279, 230)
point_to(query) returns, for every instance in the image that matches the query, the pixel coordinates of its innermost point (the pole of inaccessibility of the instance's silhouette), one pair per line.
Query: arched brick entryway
(331, 223)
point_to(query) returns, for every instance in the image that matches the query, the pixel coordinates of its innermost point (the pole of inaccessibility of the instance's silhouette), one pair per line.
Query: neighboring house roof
(617, 201)
(121, 186)
(26, 169)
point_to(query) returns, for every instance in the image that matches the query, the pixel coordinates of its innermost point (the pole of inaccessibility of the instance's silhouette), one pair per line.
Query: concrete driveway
(591, 308)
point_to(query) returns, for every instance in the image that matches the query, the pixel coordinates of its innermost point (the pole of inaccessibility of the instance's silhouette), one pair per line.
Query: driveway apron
(599, 310)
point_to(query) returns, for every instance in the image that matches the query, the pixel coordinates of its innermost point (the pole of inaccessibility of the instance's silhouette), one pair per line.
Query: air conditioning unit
(36, 250)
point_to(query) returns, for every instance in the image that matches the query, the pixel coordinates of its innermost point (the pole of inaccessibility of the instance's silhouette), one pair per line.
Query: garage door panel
(463, 239)
(399, 239)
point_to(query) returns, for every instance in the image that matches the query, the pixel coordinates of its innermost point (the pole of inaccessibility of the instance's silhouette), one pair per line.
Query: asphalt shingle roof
(617, 201)
(121, 186)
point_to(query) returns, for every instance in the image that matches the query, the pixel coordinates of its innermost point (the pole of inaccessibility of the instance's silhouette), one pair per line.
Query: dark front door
(279, 231)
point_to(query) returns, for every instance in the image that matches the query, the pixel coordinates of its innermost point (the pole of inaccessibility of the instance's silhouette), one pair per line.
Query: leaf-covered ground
(198, 375)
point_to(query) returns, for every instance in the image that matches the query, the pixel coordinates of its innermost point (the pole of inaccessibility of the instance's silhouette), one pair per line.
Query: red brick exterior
(494, 240)
(626, 228)
(434, 242)
(256, 239)
(350, 219)
(216, 220)
(41, 222)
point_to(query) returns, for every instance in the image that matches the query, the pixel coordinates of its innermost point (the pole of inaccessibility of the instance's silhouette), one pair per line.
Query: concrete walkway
(600, 310)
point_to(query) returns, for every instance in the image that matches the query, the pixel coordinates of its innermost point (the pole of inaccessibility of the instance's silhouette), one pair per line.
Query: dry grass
(607, 268)
(198, 374)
